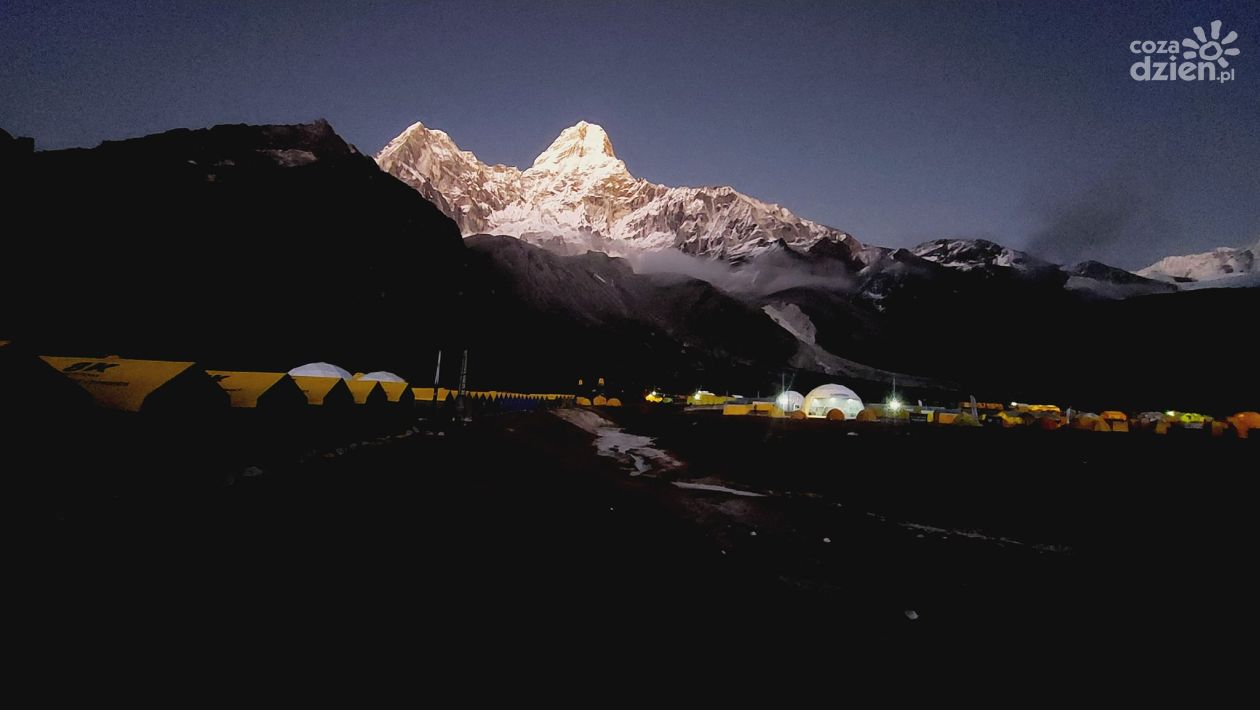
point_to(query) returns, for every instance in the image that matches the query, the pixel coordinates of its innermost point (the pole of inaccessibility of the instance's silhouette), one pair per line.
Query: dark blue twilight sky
(896, 121)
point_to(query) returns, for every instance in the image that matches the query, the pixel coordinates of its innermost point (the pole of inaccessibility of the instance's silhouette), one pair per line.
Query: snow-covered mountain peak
(583, 146)
(417, 132)
(578, 196)
(968, 254)
(1221, 262)
(427, 148)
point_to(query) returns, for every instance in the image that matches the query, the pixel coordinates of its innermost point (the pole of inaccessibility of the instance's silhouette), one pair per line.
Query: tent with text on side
(149, 386)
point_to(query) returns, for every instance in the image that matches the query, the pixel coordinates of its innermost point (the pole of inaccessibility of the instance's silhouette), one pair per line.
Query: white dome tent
(380, 376)
(790, 401)
(320, 369)
(826, 398)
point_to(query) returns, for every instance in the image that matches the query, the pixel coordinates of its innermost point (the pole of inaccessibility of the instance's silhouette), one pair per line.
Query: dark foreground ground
(512, 535)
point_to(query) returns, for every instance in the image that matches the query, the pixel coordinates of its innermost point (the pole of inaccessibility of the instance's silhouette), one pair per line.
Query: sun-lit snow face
(581, 146)
(578, 196)
(1212, 50)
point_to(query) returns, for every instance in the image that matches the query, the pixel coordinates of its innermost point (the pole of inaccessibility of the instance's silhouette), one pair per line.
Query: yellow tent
(367, 392)
(1117, 420)
(982, 407)
(963, 419)
(250, 390)
(1090, 422)
(424, 395)
(1011, 420)
(397, 392)
(1244, 422)
(140, 385)
(704, 398)
(324, 391)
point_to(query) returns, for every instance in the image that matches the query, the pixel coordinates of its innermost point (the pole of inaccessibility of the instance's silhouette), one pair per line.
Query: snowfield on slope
(578, 195)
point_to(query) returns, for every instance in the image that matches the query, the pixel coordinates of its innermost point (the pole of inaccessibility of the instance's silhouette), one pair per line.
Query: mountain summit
(580, 146)
(578, 196)
(1220, 263)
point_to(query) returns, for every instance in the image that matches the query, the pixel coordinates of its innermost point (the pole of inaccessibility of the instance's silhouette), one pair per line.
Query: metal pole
(437, 377)
(463, 374)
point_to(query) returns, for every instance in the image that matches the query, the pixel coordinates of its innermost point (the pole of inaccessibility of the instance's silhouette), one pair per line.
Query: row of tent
(132, 385)
(1238, 425)
(837, 402)
(830, 401)
(598, 400)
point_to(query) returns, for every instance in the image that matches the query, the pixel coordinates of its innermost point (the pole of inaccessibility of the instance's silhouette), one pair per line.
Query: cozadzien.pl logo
(1203, 58)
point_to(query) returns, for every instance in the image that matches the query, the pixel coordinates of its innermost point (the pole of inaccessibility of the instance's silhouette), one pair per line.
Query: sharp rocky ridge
(578, 195)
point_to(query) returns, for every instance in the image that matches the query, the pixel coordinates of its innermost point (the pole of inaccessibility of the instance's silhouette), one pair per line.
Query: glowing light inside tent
(789, 401)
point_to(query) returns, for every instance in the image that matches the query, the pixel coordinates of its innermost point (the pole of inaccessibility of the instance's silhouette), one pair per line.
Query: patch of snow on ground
(791, 318)
(719, 489)
(1230, 281)
(613, 442)
(972, 534)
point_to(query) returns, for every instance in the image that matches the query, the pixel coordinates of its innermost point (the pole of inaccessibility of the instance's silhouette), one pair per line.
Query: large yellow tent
(324, 391)
(254, 390)
(367, 392)
(141, 385)
(398, 392)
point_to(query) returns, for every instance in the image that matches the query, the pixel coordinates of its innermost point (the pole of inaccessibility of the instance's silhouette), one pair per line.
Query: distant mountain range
(265, 247)
(578, 196)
